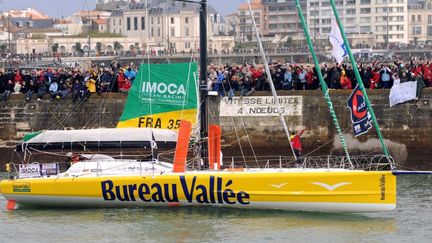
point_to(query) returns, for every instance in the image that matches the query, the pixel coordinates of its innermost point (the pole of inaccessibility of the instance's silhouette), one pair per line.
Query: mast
(203, 83)
(358, 77)
(323, 84)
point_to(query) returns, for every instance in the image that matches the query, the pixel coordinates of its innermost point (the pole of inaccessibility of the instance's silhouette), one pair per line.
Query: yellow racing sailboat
(103, 181)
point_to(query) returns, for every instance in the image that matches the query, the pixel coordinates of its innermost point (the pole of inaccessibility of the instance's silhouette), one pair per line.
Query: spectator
(385, 77)
(9, 89)
(53, 89)
(345, 81)
(288, 79)
(123, 83)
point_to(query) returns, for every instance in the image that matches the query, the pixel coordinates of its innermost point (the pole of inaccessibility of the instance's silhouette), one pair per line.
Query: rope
(248, 138)
(275, 97)
(238, 140)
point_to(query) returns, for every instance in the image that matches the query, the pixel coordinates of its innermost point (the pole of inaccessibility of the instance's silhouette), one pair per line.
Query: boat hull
(313, 190)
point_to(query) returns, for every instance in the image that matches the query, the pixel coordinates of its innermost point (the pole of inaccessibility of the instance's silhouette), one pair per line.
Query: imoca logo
(163, 93)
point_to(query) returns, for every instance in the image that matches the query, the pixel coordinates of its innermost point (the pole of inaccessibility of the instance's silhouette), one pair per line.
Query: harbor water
(411, 221)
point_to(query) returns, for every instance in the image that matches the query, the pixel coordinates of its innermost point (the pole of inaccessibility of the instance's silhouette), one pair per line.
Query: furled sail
(98, 138)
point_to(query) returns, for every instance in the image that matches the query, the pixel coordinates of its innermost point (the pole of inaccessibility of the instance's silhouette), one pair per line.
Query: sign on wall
(29, 170)
(261, 106)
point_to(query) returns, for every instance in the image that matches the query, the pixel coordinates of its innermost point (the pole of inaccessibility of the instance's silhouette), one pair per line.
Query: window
(172, 32)
(351, 11)
(429, 30)
(159, 33)
(158, 20)
(429, 19)
(172, 20)
(143, 23)
(365, 1)
(135, 23)
(419, 18)
(152, 32)
(120, 22)
(187, 45)
(364, 20)
(326, 21)
(114, 22)
(413, 18)
(128, 23)
(365, 29)
(416, 30)
(187, 31)
(365, 10)
(151, 20)
(187, 20)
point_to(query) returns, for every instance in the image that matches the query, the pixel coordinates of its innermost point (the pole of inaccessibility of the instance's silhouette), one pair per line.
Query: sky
(64, 8)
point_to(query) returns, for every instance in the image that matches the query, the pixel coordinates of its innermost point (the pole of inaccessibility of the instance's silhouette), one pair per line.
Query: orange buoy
(173, 204)
(11, 205)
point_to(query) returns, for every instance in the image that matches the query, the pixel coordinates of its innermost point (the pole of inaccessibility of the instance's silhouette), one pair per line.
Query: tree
(288, 42)
(55, 47)
(239, 45)
(117, 46)
(78, 48)
(3, 47)
(98, 46)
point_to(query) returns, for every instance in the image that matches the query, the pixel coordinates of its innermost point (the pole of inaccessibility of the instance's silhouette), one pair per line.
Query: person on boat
(296, 143)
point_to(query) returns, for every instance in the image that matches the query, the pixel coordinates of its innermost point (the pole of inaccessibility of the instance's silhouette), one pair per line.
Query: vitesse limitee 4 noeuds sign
(261, 106)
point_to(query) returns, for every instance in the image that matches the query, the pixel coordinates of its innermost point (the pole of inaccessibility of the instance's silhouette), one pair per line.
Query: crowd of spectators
(63, 82)
(285, 76)
(79, 83)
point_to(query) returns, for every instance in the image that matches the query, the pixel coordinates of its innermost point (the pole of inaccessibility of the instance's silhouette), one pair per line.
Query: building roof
(26, 13)
(93, 14)
(101, 21)
(62, 21)
(255, 4)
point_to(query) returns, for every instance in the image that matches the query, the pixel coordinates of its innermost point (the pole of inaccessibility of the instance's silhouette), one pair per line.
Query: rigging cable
(278, 105)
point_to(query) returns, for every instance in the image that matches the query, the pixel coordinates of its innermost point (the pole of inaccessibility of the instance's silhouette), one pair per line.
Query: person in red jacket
(296, 143)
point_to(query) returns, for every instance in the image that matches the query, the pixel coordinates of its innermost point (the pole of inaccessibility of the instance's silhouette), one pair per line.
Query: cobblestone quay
(407, 128)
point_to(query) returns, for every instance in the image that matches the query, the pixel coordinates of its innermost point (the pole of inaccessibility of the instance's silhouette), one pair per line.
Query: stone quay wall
(248, 125)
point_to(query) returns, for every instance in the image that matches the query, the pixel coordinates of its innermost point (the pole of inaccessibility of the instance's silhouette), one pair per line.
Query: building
(26, 18)
(385, 20)
(111, 5)
(245, 29)
(420, 22)
(83, 22)
(281, 20)
(20, 24)
(231, 24)
(67, 44)
(168, 25)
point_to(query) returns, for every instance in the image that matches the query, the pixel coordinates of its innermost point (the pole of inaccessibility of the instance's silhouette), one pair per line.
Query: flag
(339, 49)
(360, 115)
(403, 92)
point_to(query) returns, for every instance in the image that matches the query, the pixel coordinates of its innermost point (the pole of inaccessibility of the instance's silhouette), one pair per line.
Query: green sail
(161, 96)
